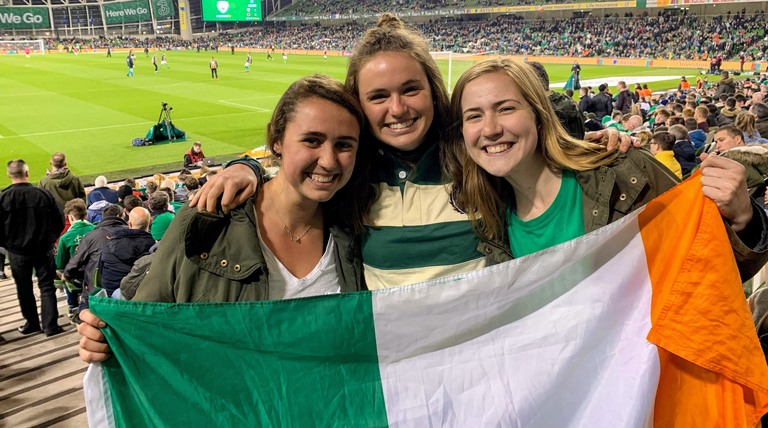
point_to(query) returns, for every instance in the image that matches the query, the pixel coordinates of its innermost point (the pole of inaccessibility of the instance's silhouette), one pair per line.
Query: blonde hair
(644, 137)
(745, 121)
(483, 196)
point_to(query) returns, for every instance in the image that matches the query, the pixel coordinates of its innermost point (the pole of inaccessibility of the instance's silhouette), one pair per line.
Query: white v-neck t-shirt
(323, 279)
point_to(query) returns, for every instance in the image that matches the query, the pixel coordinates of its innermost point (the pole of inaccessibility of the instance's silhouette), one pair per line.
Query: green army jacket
(217, 258)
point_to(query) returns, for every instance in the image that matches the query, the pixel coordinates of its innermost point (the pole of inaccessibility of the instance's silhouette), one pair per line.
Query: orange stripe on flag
(713, 372)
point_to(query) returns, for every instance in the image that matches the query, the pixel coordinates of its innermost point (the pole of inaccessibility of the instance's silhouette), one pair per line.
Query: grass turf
(86, 107)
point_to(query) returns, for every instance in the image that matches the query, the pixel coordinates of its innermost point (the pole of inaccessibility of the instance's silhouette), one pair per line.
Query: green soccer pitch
(86, 107)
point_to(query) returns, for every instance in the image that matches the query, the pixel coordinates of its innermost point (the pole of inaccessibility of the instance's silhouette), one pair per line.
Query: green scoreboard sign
(125, 12)
(23, 18)
(232, 10)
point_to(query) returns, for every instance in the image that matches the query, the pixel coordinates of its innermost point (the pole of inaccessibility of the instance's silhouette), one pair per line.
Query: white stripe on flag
(98, 398)
(554, 339)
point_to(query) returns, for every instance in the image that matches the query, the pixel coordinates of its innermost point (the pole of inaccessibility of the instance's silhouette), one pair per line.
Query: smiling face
(397, 99)
(317, 150)
(499, 126)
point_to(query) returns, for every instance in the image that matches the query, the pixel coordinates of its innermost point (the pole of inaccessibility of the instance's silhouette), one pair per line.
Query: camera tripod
(165, 120)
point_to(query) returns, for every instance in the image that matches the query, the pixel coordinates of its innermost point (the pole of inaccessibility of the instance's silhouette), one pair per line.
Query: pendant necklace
(291, 236)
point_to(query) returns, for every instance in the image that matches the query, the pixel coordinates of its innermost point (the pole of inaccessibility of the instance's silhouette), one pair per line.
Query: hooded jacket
(726, 86)
(122, 250)
(86, 258)
(685, 155)
(754, 157)
(64, 186)
(727, 116)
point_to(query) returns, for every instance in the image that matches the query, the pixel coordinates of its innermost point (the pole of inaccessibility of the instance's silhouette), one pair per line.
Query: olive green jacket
(634, 179)
(217, 258)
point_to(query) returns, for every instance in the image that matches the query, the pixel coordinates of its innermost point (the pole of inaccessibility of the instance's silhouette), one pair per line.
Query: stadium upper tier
(680, 36)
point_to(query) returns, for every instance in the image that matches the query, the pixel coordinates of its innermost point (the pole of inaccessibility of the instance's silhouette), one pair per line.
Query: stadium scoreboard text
(232, 10)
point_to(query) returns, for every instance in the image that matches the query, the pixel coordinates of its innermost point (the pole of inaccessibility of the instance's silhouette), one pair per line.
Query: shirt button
(633, 180)
(402, 175)
(236, 268)
(623, 197)
(204, 256)
(224, 263)
(595, 213)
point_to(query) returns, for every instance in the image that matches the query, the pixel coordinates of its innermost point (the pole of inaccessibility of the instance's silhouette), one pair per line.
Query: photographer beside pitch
(194, 156)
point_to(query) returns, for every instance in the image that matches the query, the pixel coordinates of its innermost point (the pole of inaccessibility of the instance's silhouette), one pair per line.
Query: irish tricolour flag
(640, 324)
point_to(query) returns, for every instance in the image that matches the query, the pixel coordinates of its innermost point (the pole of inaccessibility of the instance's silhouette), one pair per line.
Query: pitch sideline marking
(117, 126)
(259, 109)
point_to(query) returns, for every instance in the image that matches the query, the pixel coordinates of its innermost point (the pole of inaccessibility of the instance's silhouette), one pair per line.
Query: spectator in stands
(129, 203)
(75, 212)
(760, 110)
(565, 108)
(61, 182)
(545, 163)
(726, 85)
(101, 192)
(191, 185)
(745, 121)
(193, 157)
(700, 116)
(633, 124)
(123, 248)
(697, 136)
(685, 154)
(122, 192)
(661, 148)
(602, 103)
(30, 223)
(585, 101)
(161, 216)
(624, 98)
(728, 113)
(86, 259)
(728, 137)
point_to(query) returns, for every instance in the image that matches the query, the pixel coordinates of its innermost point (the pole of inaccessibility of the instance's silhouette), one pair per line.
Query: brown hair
(391, 35)
(483, 196)
(349, 205)
(76, 207)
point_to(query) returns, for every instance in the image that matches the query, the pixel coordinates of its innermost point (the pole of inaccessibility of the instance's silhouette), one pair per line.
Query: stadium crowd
(677, 35)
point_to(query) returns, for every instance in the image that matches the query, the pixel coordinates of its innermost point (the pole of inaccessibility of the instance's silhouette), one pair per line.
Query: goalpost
(458, 63)
(18, 46)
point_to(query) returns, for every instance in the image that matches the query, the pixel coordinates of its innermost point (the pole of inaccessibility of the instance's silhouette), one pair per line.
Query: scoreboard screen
(231, 10)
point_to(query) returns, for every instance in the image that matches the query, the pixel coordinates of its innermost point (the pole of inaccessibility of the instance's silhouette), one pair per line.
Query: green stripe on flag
(305, 362)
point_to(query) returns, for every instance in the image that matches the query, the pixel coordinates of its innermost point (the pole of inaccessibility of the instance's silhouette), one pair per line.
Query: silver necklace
(291, 236)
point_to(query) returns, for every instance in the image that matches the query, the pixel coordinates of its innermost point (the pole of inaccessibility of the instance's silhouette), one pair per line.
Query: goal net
(453, 64)
(18, 46)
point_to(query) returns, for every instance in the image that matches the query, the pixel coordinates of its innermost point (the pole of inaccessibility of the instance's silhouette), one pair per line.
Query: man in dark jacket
(30, 223)
(726, 85)
(624, 99)
(86, 258)
(124, 248)
(602, 103)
